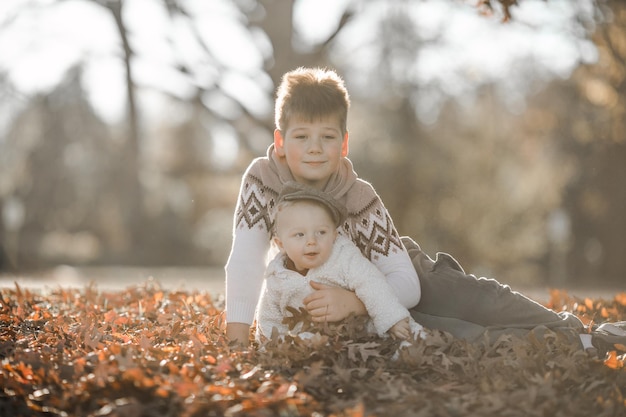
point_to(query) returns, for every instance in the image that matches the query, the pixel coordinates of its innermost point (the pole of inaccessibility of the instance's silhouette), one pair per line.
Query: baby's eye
(300, 136)
(299, 234)
(330, 137)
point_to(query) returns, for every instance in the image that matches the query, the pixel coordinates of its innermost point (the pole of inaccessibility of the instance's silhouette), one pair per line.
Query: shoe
(615, 329)
(608, 337)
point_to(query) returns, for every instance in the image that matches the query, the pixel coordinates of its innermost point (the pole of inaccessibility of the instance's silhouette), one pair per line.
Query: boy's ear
(344, 145)
(279, 143)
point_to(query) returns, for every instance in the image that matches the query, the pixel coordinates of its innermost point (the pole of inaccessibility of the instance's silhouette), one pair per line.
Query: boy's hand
(330, 304)
(239, 333)
(401, 330)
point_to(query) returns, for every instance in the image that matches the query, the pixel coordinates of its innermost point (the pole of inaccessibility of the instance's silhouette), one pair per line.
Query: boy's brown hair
(312, 94)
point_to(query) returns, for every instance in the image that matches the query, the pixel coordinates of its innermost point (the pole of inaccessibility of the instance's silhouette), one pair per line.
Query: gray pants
(470, 308)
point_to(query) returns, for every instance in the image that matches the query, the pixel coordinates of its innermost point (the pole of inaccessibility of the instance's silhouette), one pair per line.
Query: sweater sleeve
(244, 275)
(401, 277)
(371, 228)
(248, 257)
(370, 285)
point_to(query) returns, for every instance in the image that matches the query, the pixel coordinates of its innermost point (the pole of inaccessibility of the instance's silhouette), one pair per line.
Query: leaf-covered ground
(145, 351)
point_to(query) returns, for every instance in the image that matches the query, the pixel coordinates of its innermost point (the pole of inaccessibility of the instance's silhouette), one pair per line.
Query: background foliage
(518, 175)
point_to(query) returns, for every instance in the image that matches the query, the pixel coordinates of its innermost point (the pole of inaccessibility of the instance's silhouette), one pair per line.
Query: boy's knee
(445, 260)
(410, 244)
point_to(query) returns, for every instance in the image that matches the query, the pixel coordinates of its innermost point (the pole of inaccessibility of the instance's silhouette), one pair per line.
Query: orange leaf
(122, 320)
(162, 392)
(185, 389)
(114, 348)
(145, 343)
(109, 316)
(613, 362)
(122, 336)
(621, 298)
(356, 411)
(133, 374)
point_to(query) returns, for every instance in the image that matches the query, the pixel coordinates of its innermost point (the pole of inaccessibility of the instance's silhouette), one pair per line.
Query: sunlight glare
(461, 49)
(224, 144)
(248, 92)
(230, 43)
(104, 83)
(38, 48)
(315, 20)
(148, 25)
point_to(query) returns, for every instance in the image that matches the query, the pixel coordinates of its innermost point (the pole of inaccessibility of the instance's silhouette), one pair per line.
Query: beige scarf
(277, 173)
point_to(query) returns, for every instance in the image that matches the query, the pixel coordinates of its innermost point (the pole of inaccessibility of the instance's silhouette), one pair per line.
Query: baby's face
(306, 232)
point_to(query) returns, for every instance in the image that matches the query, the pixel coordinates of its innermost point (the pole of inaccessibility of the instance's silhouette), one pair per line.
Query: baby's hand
(401, 330)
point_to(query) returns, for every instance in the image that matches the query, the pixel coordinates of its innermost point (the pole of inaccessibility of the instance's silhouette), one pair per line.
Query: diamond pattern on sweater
(374, 232)
(370, 228)
(254, 205)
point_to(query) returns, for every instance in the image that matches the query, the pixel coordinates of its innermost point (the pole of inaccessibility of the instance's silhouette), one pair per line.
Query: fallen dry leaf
(146, 351)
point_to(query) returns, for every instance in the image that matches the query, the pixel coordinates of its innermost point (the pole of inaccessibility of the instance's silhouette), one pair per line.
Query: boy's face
(306, 232)
(312, 149)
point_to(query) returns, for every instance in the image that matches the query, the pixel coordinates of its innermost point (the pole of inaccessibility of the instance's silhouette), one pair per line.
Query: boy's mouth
(314, 163)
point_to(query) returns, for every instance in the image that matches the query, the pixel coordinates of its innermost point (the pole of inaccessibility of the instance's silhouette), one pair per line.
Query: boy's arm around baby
(372, 288)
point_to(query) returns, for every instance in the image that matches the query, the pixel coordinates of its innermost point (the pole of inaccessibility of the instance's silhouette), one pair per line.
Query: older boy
(311, 147)
(305, 222)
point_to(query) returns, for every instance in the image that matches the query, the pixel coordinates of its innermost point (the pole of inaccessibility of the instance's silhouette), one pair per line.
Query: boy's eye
(330, 137)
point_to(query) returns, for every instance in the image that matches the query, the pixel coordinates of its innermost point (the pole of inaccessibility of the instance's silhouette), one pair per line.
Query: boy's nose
(315, 144)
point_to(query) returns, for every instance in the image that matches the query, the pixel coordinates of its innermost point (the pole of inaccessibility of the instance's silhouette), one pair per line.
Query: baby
(305, 222)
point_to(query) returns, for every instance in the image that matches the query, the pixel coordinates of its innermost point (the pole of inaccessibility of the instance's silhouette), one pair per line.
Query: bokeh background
(125, 126)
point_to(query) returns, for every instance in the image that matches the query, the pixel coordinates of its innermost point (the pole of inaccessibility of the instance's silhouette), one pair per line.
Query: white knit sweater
(346, 268)
(368, 225)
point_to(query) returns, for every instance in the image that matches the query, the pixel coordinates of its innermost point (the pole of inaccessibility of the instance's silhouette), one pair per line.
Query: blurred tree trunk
(278, 25)
(131, 195)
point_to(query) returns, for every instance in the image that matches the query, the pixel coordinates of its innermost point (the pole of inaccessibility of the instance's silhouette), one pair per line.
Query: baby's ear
(278, 242)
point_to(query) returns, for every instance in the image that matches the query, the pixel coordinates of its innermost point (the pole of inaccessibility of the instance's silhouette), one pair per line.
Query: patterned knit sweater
(346, 268)
(368, 225)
